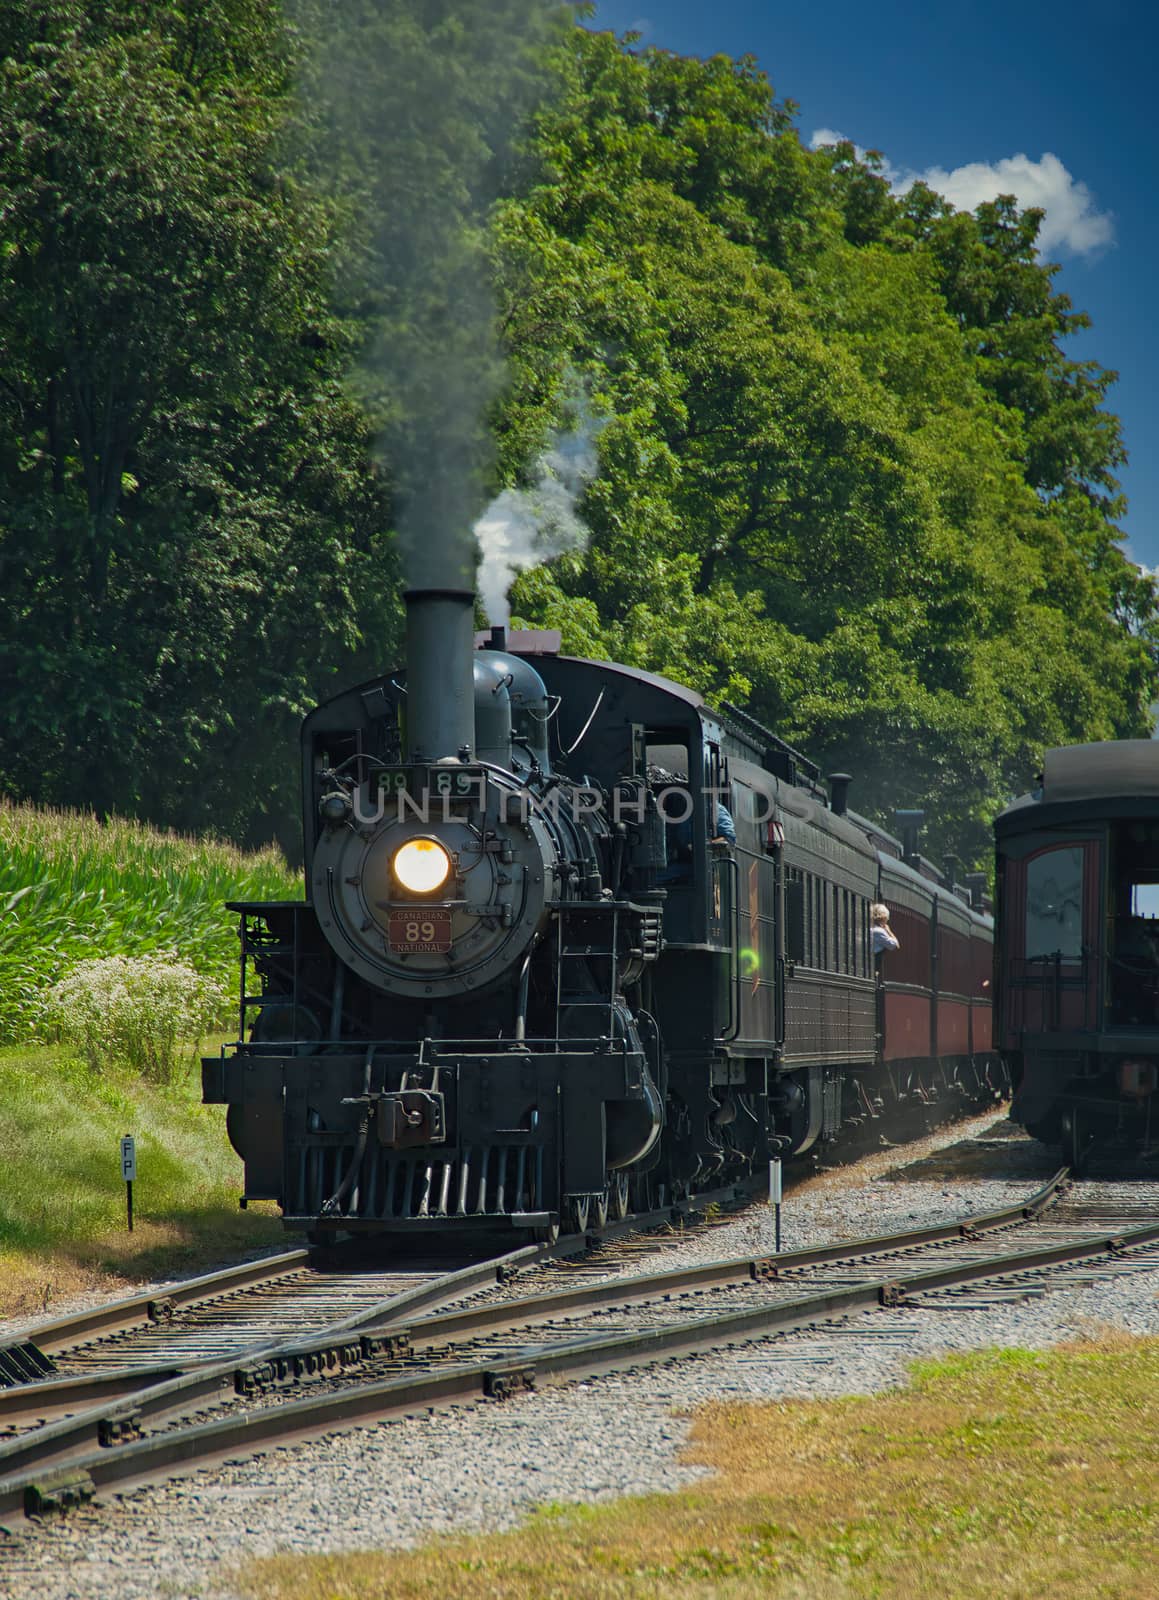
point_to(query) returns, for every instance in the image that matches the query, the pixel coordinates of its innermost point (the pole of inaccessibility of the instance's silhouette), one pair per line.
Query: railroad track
(220, 1315)
(214, 1315)
(301, 1310)
(399, 1361)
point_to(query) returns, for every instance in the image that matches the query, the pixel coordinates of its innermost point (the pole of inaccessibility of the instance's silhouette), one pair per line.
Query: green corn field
(73, 888)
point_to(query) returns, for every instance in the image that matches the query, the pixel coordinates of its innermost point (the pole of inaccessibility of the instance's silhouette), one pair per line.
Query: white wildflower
(133, 1010)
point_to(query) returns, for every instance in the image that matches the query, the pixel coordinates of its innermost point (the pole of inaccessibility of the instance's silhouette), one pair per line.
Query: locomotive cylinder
(440, 685)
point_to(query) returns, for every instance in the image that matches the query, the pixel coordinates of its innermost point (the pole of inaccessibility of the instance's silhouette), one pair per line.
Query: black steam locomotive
(1078, 947)
(573, 944)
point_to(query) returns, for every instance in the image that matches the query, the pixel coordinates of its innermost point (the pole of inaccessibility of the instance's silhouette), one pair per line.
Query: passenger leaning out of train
(881, 934)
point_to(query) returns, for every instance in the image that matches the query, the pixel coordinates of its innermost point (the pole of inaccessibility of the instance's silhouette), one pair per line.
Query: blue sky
(974, 85)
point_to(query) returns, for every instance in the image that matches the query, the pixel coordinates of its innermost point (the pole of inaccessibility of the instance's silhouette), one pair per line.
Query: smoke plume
(422, 103)
(522, 527)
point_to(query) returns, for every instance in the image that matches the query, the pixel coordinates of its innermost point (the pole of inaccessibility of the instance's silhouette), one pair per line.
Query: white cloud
(1072, 221)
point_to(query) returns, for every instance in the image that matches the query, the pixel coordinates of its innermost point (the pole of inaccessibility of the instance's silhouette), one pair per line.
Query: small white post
(775, 1197)
(129, 1172)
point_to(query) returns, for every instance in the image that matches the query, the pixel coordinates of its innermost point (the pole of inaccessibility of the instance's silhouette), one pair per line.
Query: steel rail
(117, 1315)
(389, 1335)
(54, 1397)
(157, 1305)
(164, 1389)
(714, 1274)
(63, 1396)
(702, 1275)
(41, 1396)
(207, 1381)
(168, 1453)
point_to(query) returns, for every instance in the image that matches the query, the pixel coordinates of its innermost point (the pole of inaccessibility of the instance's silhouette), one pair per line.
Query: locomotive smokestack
(440, 700)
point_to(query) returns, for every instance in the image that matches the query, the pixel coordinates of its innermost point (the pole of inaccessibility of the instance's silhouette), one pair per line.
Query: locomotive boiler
(573, 943)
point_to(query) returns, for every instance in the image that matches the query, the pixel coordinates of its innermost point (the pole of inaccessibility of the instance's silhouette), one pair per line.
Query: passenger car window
(1054, 903)
(795, 946)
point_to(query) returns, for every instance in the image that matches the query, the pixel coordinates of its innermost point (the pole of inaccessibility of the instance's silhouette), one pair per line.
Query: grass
(1001, 1473)
(62, 1201)
(73, 887)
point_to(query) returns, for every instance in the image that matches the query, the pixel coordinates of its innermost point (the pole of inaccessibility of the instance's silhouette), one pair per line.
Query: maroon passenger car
(1077, 954)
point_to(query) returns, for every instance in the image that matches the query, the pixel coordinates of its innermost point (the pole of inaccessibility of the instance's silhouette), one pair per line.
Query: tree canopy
(190, 539)
(851, 473)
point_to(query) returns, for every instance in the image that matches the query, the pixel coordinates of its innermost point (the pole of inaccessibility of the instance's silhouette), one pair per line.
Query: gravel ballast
(397, 1483)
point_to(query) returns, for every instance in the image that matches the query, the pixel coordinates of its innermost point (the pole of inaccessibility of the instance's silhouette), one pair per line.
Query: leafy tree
(847, 463)
(189, 536)
(850, 472)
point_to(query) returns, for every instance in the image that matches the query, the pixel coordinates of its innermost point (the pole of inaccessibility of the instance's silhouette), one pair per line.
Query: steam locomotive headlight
(421, 865)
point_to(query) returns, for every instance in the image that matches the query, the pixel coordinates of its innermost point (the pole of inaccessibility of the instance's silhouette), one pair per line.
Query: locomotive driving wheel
(578, 1208)
(599, 1210)
(618, 1198)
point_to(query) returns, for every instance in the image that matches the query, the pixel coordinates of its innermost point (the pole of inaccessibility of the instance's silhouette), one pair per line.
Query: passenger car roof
(1108, 778)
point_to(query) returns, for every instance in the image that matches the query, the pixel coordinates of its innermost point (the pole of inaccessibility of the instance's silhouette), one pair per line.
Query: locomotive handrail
(732, 1032)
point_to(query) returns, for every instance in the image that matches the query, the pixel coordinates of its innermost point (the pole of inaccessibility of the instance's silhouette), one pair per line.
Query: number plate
(420, 932)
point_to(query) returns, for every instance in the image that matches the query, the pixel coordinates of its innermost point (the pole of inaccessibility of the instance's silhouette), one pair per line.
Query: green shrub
(133, 1012)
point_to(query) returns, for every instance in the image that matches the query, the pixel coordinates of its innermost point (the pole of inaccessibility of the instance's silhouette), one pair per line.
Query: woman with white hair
(880, 932)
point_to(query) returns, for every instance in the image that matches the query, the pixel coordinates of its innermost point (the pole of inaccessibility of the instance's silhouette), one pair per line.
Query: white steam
(522, 527)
